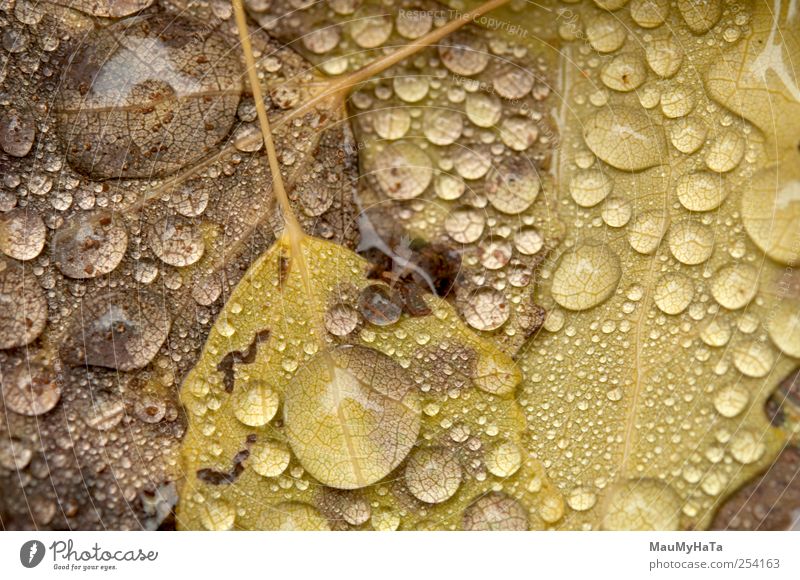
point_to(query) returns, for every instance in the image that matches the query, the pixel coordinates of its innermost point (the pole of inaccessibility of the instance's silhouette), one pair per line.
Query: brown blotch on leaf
(225, 366)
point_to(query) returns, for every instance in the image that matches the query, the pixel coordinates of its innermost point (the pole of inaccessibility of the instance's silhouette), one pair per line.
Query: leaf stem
(293, 228)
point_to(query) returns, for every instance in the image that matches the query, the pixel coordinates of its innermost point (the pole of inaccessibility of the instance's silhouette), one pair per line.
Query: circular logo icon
(31, 553)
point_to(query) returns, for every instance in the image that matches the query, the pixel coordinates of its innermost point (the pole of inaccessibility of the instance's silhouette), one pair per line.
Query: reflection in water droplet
(726, 151)
(176, 241)
(483, 109)
(747, 447)
(341, 319)
(485, 309)
(581, 499)
(442, 126)
(254, 403)
(616, 212)
(687, 135)
(771, 217)
(465, 225)
(664, 56)
(30, 389)
(624, 73)
(391, 123)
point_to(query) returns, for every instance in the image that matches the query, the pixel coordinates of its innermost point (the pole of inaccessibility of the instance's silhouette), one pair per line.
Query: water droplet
(254, 403)
(747, 447)
(449, 187)
(432, 474)
(691, 243)
(341, 319)
(494, 253)
(90, 244)
(784, 328)
(512, 81)
(677, 102)
(529, 241)
(673, 293)
(495, 511)
(647, 230)
(504, 459)
(412, 24)
(122, 108)
(664, 56)
(625, 138)
(483, 109)
(17, 131)
(581, 499)
(465, 225)
(442, 126)
(605, 33)
(391, 123)
(731, 401)
(644, 504)
(700, 191)
(616, 212)
(753, 359)
(687, 135)
(351, 415)
(22, 233)
(410, 89)
(726, 151)
(589, 187)
(513, 185)
(30, 389)
(700, 15)
(486, 309)
(269, 458)
(322, 40)
(176, 241)
(464, 54)
(518, 132)
(624, 73)
(117, 330)
(380, 305)
(715, 333)
(23, 306)
(403, 170)
(735, 285)
(472, 162)
(649, 13)
(370, 27)
(585, 277)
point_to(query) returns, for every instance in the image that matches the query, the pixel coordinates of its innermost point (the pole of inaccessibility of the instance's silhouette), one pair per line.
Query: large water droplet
(585, 277)
(625, 138)
(735, 285)
(495, 511)
(22, 233)
(90, 244)
(464, 53)
(351, 416)
(513, 185)
(433, 475)
(403, 170)
(645, 504)
(146, 96)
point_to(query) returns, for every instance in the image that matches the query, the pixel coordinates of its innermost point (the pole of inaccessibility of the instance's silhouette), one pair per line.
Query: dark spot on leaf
(225, 366)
